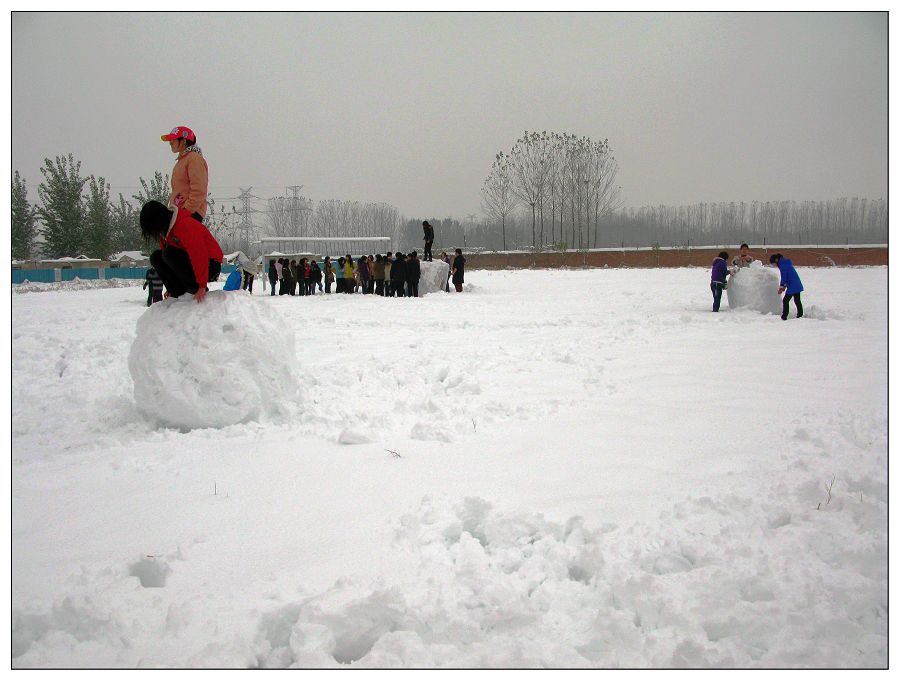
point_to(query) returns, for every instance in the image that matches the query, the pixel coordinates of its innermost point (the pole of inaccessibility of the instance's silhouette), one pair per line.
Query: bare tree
(529, 160)
(498, 198)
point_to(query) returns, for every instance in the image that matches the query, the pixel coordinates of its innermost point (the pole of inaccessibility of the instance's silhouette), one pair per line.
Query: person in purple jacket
(719, 279)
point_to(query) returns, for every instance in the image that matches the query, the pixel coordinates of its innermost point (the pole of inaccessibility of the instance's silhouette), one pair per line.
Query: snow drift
(230, 359)
(755, 287)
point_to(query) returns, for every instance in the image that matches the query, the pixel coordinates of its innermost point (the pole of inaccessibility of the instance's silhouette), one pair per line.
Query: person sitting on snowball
(719, 278)
(743, 259)
(188, 257)
(790, 285)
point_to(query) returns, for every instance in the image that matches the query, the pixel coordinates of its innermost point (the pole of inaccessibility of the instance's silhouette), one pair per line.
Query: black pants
(716, 287)
(248, 282)
(273, 283)
(427, 255)
(412, 289)
(174, 268)
(397, 287)
(786, 301)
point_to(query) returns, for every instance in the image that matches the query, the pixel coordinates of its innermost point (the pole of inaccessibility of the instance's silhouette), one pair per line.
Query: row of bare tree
(563, 177)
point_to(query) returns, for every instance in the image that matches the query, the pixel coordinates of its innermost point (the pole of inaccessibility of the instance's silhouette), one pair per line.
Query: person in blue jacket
(790, 285)
(719, 278)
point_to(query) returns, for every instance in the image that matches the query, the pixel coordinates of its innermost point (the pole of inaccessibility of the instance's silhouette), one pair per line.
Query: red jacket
(191, 236)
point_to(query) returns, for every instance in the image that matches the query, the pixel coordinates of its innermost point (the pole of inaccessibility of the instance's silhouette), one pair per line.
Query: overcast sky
(410, 109)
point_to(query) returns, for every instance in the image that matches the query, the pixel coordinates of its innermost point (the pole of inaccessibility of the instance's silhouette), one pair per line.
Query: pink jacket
(190, 181)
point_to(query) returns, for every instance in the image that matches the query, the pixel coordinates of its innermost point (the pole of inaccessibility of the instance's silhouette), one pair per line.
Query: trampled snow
(554, 468)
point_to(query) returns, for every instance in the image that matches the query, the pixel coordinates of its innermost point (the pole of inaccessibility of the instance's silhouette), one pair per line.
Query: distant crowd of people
(392, 275)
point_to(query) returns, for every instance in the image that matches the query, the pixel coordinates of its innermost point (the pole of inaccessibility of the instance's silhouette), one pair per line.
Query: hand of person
(781, 289)
(166, 294)
(200, 294)
(179, 200)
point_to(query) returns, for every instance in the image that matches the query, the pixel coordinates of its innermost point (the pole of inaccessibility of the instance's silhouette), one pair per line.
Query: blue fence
(49, 276)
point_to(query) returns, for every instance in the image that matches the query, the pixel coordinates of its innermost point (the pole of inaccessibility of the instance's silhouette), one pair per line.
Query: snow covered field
(557, 468)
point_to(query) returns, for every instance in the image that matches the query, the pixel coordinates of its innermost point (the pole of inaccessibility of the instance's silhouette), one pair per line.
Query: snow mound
(228, 360)
(755, 287)
(434, 276)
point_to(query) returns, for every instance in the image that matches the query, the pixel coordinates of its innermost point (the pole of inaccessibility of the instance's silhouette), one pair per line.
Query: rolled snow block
(756, 288)
(434, 276)
(227, 360)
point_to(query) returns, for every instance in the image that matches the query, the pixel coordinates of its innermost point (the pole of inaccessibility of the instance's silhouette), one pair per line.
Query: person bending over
(189, 257)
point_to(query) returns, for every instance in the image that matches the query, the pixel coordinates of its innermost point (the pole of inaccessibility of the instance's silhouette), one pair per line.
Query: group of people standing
(382, 275)
(790, 284)
(295, 278)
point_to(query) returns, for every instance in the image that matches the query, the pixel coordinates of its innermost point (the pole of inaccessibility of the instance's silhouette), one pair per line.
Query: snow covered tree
(97, 241)
(498, 198)
(62, 209)
(23, 223)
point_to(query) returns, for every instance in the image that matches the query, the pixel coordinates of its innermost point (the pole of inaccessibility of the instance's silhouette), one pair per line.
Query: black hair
(774, 258)
(744, 246)
(459, 251)
(155, 219)
(723, 255)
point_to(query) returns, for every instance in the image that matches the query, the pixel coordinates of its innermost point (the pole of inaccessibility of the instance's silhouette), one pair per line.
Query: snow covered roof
(80, 258)
(128, 255)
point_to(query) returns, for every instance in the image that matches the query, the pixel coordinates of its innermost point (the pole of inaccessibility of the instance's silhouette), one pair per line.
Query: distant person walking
(446, 259)
(153, 280)
(273, 276)
(398, 275)
(429, 240)
(457, 273)
(190, 176)
(790, 285)
(413, 274)
(329, 273)
(718, 278)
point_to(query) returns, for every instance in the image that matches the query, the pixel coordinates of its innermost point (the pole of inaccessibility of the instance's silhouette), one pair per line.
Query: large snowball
(227, 360)
(755, 287)
(434, 276)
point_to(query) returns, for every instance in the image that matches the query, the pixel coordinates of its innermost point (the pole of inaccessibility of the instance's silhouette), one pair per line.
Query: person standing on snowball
(429, 240)
(190, 176)
(790, 285)
(189, 256)
(743, 259)
(413, 274)
(719, 278)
